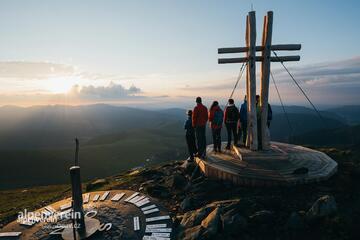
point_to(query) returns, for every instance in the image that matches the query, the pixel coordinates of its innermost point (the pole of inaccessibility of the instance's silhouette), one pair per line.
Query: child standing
(190, 136)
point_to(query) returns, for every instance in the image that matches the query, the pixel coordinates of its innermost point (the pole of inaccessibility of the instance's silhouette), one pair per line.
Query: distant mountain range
(44, 127)
(37, 143)
(348, 136)
(351, 114)
(56, 126)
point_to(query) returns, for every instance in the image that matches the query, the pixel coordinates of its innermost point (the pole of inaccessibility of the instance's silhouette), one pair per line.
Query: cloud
(33, 70)
(227, 83)
(111, 92)
(335, 82)
(109, 77)
(343, 72)
(27, 70)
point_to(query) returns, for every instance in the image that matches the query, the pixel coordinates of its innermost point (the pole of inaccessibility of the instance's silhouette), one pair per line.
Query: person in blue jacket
(190, 136)
(243, 121)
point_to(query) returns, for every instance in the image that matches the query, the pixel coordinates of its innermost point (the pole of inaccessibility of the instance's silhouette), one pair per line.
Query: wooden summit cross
(265, 59)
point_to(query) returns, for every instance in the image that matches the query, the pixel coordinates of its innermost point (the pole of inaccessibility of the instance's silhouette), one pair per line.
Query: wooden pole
(285, 59)
(252, 141)
(247, 143)
(259, 59)
(232, 60)
(264, 83)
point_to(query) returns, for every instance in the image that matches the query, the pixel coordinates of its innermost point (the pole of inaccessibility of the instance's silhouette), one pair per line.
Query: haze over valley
(37, 143)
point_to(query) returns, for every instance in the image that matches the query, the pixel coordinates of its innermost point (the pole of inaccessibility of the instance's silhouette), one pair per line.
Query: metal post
(77, 196)
(85, 226)
(77, 152)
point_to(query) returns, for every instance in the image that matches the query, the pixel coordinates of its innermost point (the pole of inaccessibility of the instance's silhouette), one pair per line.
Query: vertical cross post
(264, 83)
(252, 137)
(258, 135)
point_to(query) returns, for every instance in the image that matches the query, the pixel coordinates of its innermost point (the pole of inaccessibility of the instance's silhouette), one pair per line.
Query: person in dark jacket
(258, 111)
(243, 121)
(258, 114)
(199, 120)
(258, 118)
(231, 120)
(216, 117)
(190, 136)
(269, 117)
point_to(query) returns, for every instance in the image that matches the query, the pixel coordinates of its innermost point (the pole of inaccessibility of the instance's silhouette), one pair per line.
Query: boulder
(193, 233)
(147, 183)
(176, 220)
(263, 217)
(323, 207)
(211, 223)
(195, 173)
(188, 167)
(198, 179)
(186, 204)
(157, 191)
(207, 186)
(242, 206)
(152, 173)
(96, 184)
(232, 221)
(176, 181)
(295, 221)
(193, 218)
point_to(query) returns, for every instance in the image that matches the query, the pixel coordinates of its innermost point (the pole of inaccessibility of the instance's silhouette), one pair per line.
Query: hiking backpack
(218, 118)
(232, 114)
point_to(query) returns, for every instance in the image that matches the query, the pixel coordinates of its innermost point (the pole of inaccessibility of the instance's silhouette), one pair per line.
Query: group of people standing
(235, 122)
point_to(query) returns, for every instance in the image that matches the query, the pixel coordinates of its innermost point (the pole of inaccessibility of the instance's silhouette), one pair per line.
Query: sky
(164, 53)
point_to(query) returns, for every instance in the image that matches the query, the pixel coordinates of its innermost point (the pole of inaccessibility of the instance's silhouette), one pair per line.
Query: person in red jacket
(199, 120)
(216, 117)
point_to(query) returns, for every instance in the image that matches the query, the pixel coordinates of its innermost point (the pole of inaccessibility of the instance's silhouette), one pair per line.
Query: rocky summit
(204, 208)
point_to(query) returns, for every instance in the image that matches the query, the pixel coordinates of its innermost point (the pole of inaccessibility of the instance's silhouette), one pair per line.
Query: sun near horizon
(121, 52)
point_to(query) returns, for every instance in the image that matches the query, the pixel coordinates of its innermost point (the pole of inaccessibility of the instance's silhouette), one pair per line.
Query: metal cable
(238, 78)
(303, 92)
(282, 105)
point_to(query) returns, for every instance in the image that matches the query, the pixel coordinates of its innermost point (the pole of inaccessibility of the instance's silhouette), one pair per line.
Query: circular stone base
(283, 164)
(112, 211)
(91, 226)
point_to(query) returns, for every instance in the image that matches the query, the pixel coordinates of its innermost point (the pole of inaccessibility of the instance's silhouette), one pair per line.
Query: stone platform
(284, 164)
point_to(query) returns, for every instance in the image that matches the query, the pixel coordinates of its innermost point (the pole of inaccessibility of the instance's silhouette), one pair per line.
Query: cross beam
(279, 47)
(259, 59)
(263, 134)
